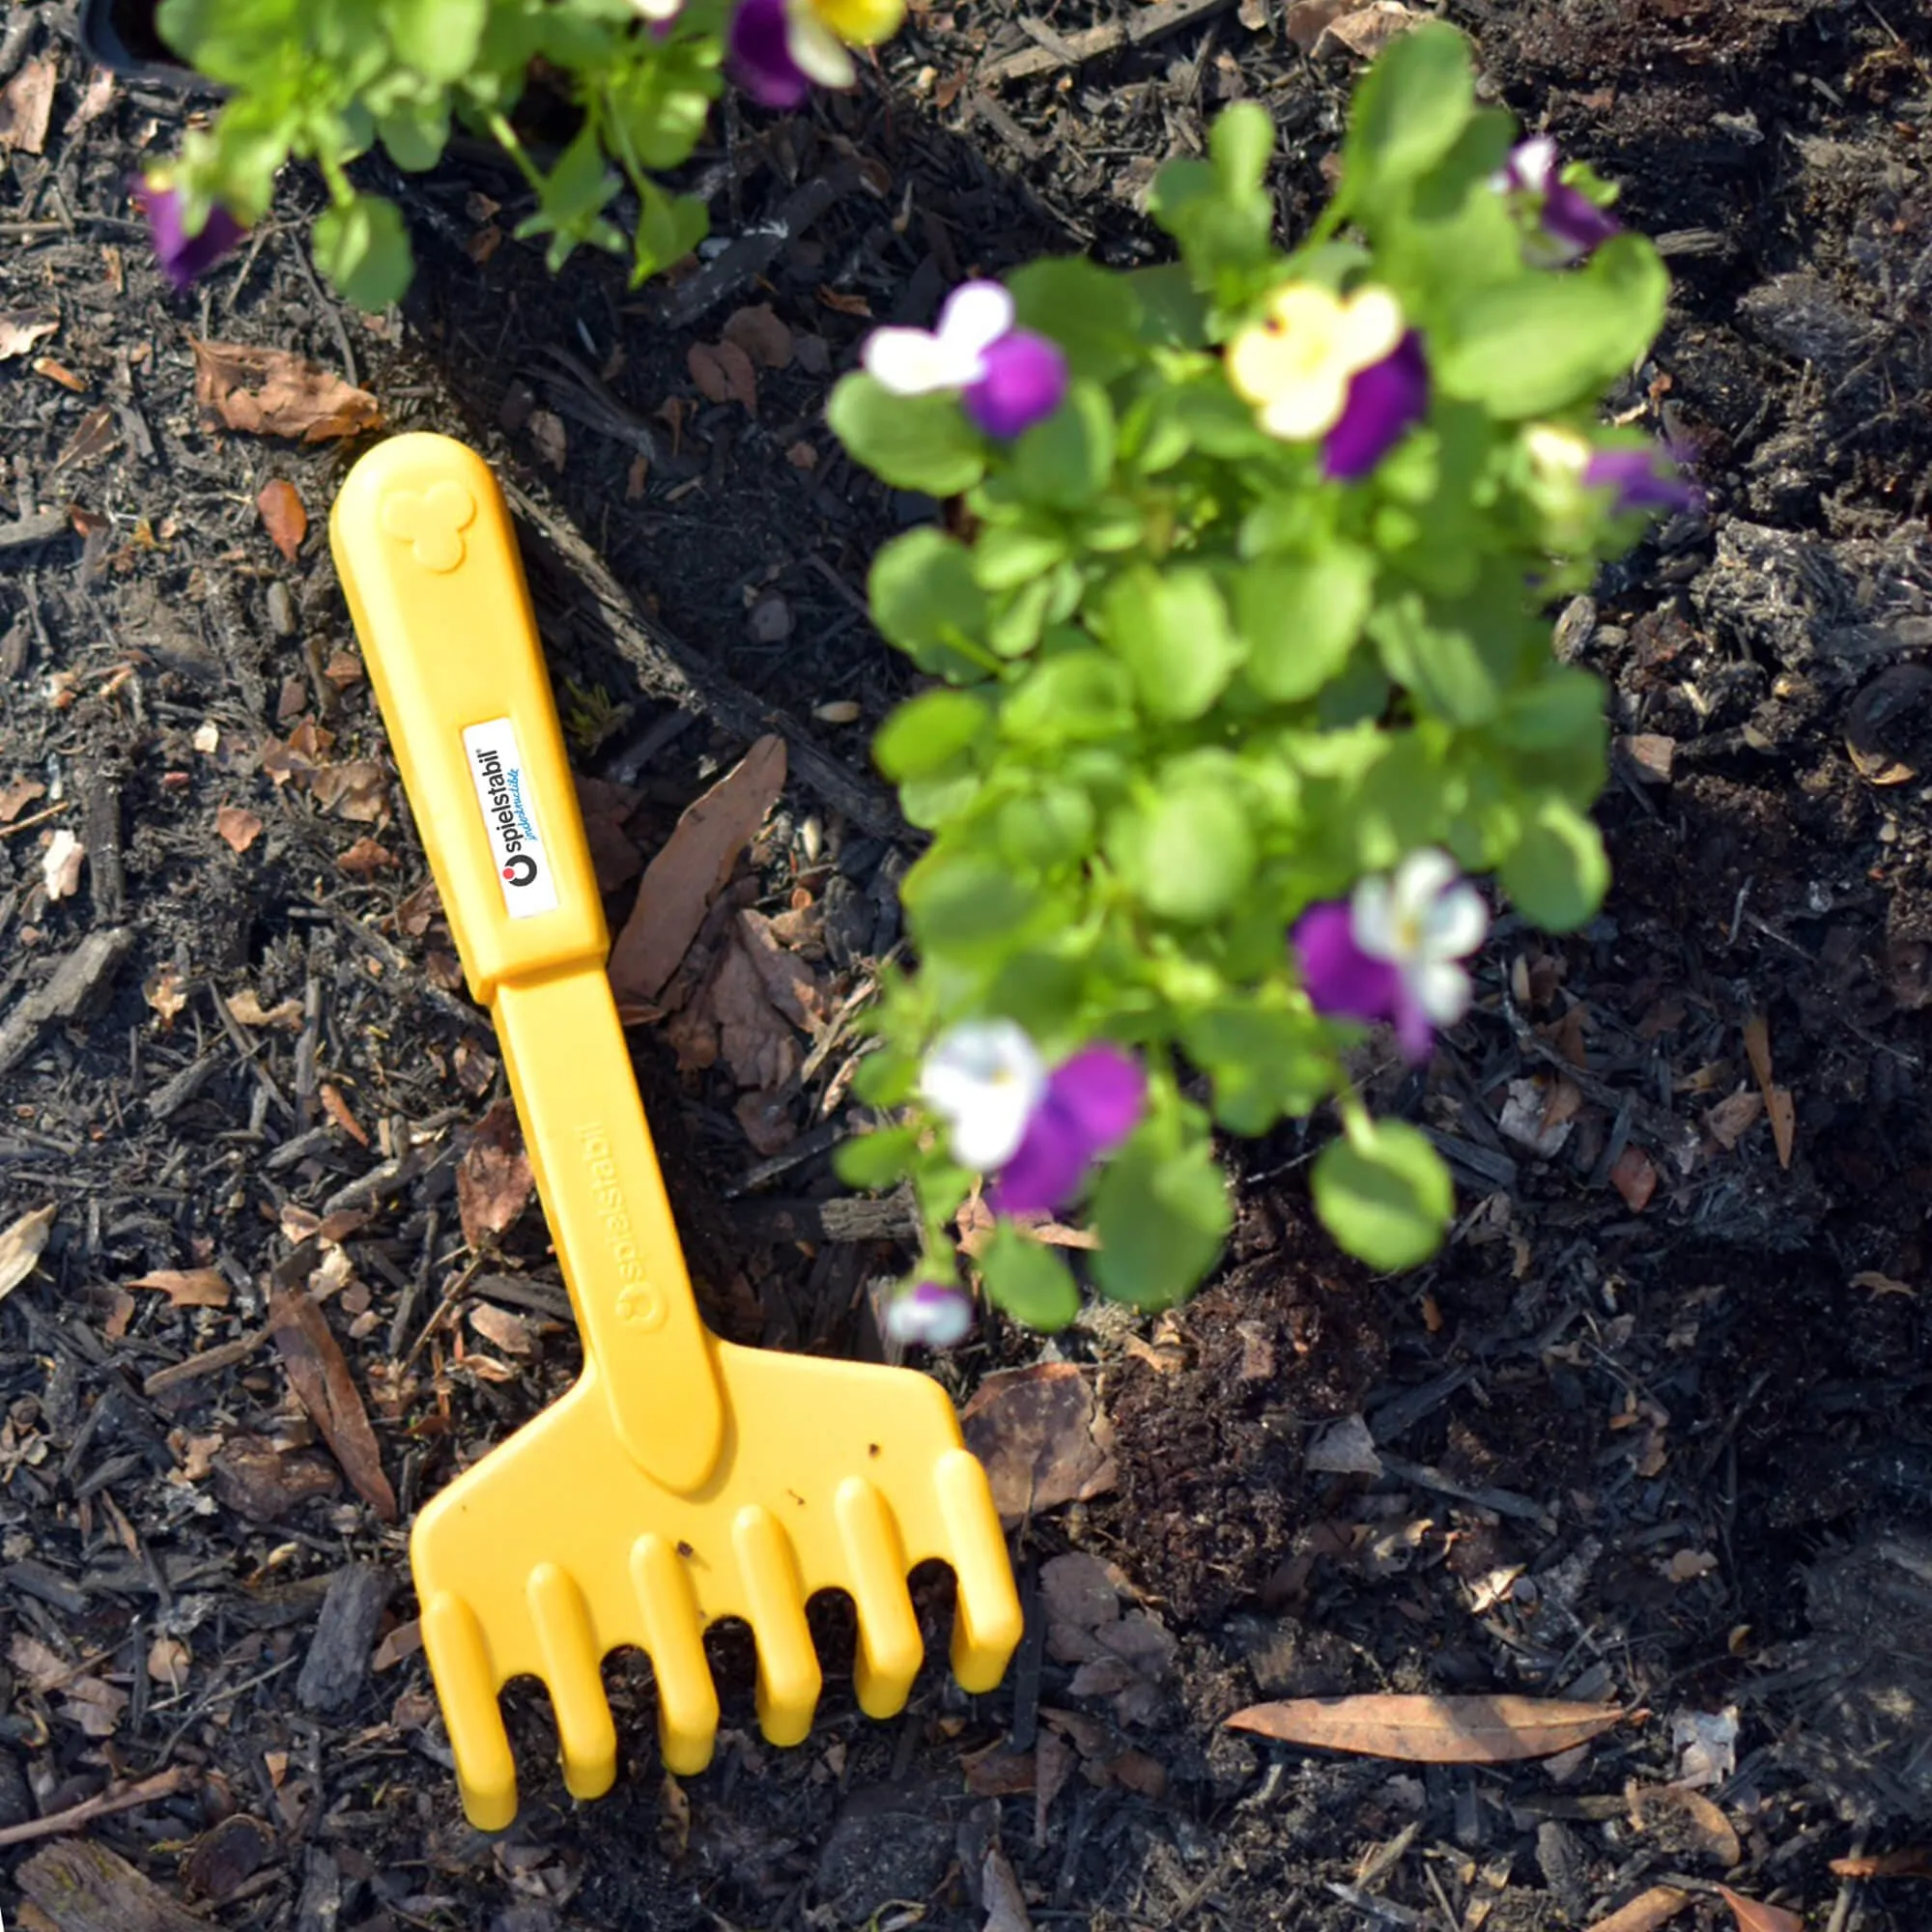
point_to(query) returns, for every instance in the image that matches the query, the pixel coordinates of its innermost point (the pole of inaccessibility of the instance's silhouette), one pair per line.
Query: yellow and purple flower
(1570, 226)
(1635, 480)
(182, 257)
(1344, 368)
(1008, 379)
(1038, 1131)
(780, 50)
(1393, 950)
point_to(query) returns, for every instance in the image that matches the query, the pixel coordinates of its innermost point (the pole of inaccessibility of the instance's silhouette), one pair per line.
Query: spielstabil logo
(510, 817)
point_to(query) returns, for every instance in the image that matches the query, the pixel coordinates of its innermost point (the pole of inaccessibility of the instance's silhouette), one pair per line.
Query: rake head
(556, 1548)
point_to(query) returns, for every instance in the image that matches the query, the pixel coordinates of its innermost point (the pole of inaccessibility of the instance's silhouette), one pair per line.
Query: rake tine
(586, 1730)
(460, 1665)
(987, 1622)
(789, 1679)
(890, 1647)
(687, 1697)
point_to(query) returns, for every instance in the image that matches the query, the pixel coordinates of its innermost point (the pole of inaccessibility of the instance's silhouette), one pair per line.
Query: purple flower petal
(1023, 384)
(1639, 479)
(1343, 980)
(1103, 1091)
(180, 256)
(1047, 1167)
(1383, 401)
(761, 55)
(1574, 223)
(1414, 1030)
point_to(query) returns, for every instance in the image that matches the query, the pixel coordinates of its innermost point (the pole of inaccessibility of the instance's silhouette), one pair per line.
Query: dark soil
(1655, 1428)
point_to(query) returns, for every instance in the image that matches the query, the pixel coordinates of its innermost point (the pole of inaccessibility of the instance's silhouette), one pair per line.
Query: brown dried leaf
(21, 1245)
(493, 1179)
(1783, 1112)
(1420, 1730)
(357, 790)
(318, 1373)
(404, 1641)
(238, 825)
(283, 516)
(1043, 1437)
(1634, 1175)
(761, 334)
(790, 984)
(1915, 1863)
(164, 992)
(680, 883)
(94, 1706)
(552, 438)
(22, 329)
(1367, 30)
(1647, 1911)
(1753, 1915)
(724, 374)
(276, 392)
(188, 1288)
(365, 857)
(247, 1008)
(1687, 1815)
(26, 107)
(1733, 1117)
(17, 795)
(502, 1329)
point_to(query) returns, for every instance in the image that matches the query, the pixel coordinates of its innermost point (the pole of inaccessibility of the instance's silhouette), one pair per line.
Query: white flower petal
(976, 315)
(1457, 923)
(819, 52)
(1533, 163)
(1420, 880)
(1371, 920)
(915, 362)
(939, 1320)
(983, 1079)
(1441, 989)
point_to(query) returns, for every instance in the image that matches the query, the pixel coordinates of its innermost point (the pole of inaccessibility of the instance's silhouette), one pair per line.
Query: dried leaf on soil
(502, 1329)
(16, 795)
(552, 438)
(276, 392)
(364, 857)
(61, 863)
(283, 516)
(790, 984)
(1634, 1175)
(1420, 1730)
(761, 334)
(1647, 1911)
(21, 330)
(319, 1373)
(1043, 1437)
(1753, 1915)
(1777, 1101)
(247, 1008)
(238, 826)
(26, 107)
(493, 1179)
(1915, 1863)
(999, 1889)
(188, 1288)
(680, 883)
(724, 374)
(977, 1225)
(21, 1245)
(164, 993)
(1685, 1815)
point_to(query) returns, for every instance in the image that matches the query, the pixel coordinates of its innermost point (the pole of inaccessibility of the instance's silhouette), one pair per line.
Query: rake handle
(428, 560)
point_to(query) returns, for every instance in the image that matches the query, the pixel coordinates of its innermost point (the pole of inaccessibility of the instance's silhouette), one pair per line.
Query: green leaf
(1558, 874)
(967, 903)
(1172, 630)
(1094, 316)
(1409, 112)
(1008, 554)
(1027, 1280)
(930, 803)
(1162, 1218)
(928, 733)
(1065, 461)
(1564, 710)
(1385, 1194)
(877, 1159)
(1239, 144)
(913, 443)
(887, 1077)
(1080, 696)
(363, 248)
(1052, 826)
(1539, 343)
(924, 600)
(1444, 663)
(438, 38)
(1264, 1061)
(414, 135)
(1173, 311)
(1301, 619)
(1189, 855)
(1019, 616)
(669, 226)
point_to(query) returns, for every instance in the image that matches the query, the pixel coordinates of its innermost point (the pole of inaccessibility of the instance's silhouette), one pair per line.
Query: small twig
(210, 1362)
(451, 1295)
(163, 1784)
(38, 818)
(333, 313)
(244, 1049)
(1147, 23)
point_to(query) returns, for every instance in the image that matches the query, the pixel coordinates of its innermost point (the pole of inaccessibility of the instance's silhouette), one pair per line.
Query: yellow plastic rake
(682, 1479)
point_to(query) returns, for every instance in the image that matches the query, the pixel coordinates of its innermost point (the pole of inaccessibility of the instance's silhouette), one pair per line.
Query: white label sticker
(505, 791)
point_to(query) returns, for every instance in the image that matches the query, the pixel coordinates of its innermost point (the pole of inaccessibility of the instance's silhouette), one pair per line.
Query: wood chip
(681, 882)
(1417, 1729)
(318, 1373)
(723, 373)
(82, 1887)
(27, 105)
(339, 1656)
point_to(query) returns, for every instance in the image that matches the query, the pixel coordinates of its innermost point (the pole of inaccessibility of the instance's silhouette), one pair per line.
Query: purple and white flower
(1636, 479)
(1570, 225)
(780, 50)
(1393, 950)
(1038, 1131)
(1346, 369)
(180, 256)
(935, 1312)
(1008, 379)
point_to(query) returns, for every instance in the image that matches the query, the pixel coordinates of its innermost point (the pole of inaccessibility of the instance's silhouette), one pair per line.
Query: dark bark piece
(29, 532)
(82, 1887)
(337, 1664)
(67, 993)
